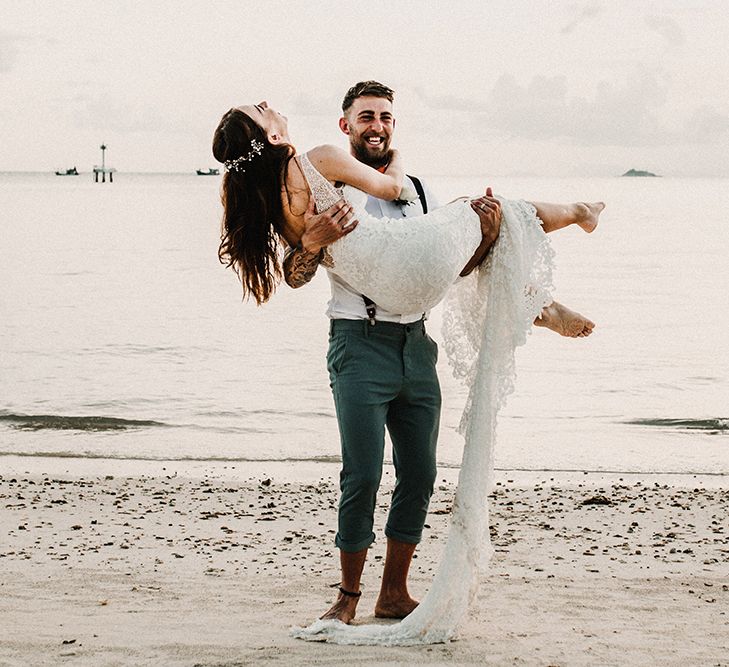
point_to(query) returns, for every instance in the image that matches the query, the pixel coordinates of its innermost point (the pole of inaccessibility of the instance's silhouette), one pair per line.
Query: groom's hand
(325, 228)
(488, 209)
(300, 263)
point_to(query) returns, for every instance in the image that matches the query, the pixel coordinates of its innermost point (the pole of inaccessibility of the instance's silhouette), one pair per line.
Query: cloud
(102, 111)
(449, 103)
(622, 114)
(8, 50)
(304, 103)
(587, 13)
(705, 126)
(666, 28)
(634, 112)
(10, 43)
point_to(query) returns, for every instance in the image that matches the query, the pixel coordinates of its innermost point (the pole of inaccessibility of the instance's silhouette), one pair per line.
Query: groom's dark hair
(366, 89)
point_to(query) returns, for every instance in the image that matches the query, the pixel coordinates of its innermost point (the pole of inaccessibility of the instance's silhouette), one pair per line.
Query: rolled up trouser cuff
(352, 547)
(407, 538)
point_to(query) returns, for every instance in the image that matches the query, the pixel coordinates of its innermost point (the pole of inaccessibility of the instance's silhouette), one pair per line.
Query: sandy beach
(173, 570)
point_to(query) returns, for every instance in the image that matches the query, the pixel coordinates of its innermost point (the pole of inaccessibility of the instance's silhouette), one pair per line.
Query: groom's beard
(373, 156)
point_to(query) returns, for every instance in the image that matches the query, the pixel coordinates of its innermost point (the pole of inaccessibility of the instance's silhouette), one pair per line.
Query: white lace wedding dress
(410, 265)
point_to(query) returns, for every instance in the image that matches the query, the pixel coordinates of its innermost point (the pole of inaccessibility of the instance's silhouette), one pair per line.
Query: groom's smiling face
(369, 123)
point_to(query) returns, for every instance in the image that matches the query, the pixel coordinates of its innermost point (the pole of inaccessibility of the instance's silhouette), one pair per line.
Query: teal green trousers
(383, 376)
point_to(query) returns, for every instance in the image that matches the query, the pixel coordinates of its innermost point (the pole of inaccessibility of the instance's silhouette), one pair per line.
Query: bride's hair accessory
(237, 163)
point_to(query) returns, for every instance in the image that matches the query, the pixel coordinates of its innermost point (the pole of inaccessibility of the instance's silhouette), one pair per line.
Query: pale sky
(498, 87)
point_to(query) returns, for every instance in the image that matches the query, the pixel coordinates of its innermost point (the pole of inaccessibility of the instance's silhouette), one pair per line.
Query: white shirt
(346, 303)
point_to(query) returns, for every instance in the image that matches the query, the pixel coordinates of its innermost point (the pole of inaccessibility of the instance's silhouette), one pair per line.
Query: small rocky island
(638, 172)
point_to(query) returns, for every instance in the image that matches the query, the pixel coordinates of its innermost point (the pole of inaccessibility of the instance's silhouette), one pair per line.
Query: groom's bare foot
(587, 213)
(564, 321)
(395, 608)
(344, 609)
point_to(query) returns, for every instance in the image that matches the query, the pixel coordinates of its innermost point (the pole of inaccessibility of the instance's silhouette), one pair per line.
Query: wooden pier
(103, 169)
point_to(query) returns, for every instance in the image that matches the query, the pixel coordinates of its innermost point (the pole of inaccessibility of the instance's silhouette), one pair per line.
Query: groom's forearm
(478, 256)
(299, 266)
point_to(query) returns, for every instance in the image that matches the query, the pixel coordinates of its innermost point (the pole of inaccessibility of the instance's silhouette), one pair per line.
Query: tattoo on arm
(300, 266)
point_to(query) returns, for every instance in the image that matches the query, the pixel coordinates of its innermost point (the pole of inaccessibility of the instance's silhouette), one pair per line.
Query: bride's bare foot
(587, 213)
(344, 609)
(559, 216)
(564, 321)
(394, 608)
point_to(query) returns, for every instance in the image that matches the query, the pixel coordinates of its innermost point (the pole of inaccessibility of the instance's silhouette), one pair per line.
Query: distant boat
(69, 172)
(211, 171)
(639, 172)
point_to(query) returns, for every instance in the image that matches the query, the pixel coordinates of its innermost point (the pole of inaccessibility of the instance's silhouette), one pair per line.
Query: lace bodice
(404, 265)
(324, 193)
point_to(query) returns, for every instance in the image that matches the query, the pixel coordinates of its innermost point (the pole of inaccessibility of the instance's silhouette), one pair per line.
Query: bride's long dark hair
(253, 212)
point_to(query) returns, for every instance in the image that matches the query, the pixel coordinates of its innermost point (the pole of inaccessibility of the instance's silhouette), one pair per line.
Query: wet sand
(166, 570)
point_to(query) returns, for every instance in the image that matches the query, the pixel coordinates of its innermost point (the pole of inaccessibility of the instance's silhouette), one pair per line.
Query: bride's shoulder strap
(324, 193)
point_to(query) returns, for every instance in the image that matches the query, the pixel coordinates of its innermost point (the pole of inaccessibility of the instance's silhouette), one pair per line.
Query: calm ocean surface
(122, 337)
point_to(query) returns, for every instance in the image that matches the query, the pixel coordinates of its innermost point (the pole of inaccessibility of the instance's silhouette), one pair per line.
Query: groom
(382, 371)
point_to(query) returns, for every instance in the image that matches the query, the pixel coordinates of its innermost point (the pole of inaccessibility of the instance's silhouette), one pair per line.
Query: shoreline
(309, 471)
(176, 570)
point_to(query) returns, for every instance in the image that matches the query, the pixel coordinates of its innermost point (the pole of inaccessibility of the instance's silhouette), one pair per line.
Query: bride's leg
(564, 321)
(558, 216)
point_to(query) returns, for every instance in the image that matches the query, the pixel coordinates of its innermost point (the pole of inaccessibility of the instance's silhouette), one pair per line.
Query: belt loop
(366, 327)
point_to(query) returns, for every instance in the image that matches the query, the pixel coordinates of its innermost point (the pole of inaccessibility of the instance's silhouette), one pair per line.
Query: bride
(405, 266)
(266, 181)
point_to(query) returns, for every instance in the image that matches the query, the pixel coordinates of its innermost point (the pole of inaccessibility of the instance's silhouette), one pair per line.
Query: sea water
(123, 337)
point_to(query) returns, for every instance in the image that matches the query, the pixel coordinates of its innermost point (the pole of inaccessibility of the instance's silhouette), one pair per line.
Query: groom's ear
(344, 125)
